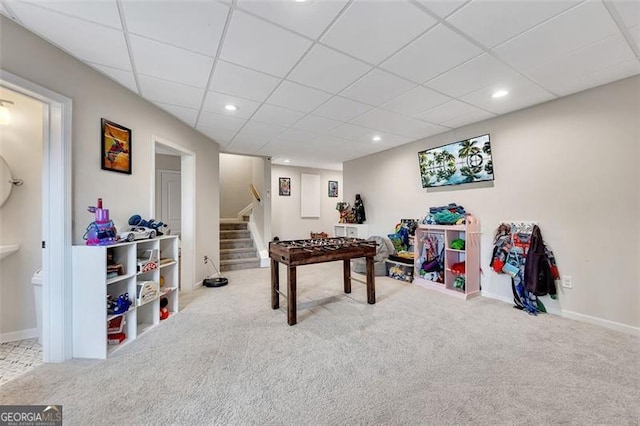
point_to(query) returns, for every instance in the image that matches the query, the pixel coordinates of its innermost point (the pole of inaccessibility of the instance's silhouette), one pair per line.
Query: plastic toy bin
(400, 269)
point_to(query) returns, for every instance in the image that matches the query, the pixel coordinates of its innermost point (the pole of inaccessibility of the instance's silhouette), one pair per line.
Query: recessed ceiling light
(300, 1)
(231, 107)
(500, 93)
(286, 161)
(377, 138)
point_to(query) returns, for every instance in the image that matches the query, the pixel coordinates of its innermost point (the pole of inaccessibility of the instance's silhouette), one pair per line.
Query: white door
(171, 200)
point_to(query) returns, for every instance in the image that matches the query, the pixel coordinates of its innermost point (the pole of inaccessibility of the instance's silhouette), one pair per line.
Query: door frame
(57, 298)
(188, 189)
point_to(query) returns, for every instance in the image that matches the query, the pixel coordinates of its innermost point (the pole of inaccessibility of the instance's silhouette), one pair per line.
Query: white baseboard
(497, 297)
(12, 336)
(265, 260)
(612, 325)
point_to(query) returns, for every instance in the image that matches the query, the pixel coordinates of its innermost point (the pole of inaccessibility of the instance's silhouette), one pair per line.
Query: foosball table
(305, 252)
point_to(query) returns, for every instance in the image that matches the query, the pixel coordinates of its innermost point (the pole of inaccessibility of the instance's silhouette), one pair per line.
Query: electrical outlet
(206, 259)
(567, 281)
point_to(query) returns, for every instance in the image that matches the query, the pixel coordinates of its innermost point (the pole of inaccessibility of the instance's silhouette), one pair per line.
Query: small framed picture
(284, 186)
(333, 188)
(115, 147)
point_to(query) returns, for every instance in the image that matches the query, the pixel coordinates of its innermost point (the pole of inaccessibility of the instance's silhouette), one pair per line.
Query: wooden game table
(305, 252)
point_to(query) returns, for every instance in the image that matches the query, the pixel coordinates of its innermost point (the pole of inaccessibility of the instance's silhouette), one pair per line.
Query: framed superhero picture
(115, 147)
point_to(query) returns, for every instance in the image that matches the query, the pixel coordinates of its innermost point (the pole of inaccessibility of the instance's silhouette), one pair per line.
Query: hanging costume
(520, 252)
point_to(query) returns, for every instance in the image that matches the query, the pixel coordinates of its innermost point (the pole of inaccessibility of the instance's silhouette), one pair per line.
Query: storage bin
(400, 270)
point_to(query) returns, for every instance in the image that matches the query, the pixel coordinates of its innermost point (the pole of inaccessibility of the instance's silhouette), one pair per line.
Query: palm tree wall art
(457, 163)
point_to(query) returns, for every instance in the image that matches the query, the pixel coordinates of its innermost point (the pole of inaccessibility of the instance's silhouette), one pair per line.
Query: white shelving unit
(91, 287)
(470, 233)
(351, 230)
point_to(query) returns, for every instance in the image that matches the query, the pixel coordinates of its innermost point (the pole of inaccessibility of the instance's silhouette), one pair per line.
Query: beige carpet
(416, 357)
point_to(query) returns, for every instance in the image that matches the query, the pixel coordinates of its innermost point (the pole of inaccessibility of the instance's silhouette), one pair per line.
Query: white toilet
(36, 280)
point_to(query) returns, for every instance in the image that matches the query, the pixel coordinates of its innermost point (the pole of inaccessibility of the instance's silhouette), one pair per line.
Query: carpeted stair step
(237, 264)
(230, 226)
(234, 234)
(236, 243)
(238, 253)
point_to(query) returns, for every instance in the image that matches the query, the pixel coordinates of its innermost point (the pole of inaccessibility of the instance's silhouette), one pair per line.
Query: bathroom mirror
(5, 182)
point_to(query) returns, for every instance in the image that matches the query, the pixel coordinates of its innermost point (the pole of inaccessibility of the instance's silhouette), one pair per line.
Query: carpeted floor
(416, 357)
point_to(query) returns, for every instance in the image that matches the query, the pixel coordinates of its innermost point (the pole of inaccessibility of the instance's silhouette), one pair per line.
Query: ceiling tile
(388, 140)
(475, 74)
(443, 8)
(308, 18)
(187, 115)
(125, 78)
(297, 97)
(220, 121)
(242, 82)
(390, 122)
(262, 46)
(374, 30)
(170, 63)
(103, 12)
(635, 33)
(314, 123)
(221, 136)
(615, 61)
(168, 92)
(342, 109)
(377, 87)
(193, 25)
(247, 143)
(262, 129)
(629, 11)
(295, 135)
(351, 131)
(438, 50)
(215, 102)
(502, 20)
(98, 44)
(589, 22)
(522, 93)
(416, 101)
(275, 115)
(327, 70)
(455, 114)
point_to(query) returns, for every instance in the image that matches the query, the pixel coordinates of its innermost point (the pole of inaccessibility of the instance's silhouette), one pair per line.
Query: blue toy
(137, 220)
(119, 305)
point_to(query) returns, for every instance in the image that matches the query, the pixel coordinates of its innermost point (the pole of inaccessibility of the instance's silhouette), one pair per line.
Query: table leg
(291, 295)
(346, 273)
(275, 284)
(371, 282)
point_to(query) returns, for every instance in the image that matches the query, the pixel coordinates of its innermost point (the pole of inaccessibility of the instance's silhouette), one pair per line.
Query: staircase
(237, 250)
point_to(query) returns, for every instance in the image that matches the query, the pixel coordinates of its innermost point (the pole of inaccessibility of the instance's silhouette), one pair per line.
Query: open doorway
(56, 216)
(173, 201)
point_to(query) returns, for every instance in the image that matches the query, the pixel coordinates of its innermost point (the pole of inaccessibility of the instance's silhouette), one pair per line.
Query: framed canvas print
(457, 163)
(284, 186)
(115, 147)
(333, 188)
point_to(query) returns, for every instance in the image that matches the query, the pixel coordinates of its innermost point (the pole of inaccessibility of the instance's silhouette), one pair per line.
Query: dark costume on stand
(358, 208)
(530, 263)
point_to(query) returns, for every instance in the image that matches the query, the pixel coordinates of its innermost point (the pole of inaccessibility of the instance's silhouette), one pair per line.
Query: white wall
(570, 164)
(286, 222)
(94, 97)
(21, 215)
(236, 173)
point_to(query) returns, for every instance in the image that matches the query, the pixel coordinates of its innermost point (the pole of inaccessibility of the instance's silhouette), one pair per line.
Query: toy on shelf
(137, 220)
(164, 312)
(113, 269)
(147, 260)
(147, 291)
(119, 305)
(101, 231)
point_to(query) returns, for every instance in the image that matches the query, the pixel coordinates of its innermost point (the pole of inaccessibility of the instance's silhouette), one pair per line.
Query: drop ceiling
(315, 81)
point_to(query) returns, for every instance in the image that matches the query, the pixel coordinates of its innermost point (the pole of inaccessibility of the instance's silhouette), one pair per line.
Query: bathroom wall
(21, 216)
